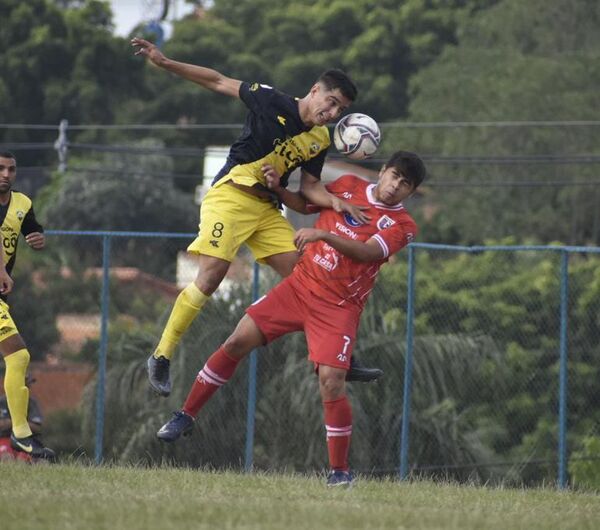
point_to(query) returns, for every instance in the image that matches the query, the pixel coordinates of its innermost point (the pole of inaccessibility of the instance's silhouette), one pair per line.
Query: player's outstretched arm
(316, 193)
(357, 250)
(206, 77)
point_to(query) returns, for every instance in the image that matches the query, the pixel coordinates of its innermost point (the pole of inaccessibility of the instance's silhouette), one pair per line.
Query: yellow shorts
(230, 217)
(7, 325)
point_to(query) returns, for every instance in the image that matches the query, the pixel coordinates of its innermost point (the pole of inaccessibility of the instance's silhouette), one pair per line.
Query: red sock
(338, 423)
(216, 372)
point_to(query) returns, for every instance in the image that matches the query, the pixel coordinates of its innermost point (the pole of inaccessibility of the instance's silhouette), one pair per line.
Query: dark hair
(335, 78)
(7, 154)
(410, 165)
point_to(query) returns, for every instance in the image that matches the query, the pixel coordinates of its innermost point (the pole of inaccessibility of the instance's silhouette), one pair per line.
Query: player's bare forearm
(316, 193)
(293, 200)
(205, 77)
(355, 250)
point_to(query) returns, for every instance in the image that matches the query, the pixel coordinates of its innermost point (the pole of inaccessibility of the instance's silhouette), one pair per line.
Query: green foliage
(585, 464)
(379, 43)
(516, 61)
(61, 64)
(126, 199)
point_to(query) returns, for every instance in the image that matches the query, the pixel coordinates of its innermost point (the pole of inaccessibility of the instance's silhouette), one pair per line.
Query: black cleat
(32, 446)
(180, 424)
(158, 375)
(342, 479)
(358, 372)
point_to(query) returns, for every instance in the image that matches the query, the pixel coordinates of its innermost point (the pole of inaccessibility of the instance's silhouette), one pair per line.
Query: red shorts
(330, 330)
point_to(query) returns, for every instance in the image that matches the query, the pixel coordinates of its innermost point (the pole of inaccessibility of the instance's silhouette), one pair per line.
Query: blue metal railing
(413, 248)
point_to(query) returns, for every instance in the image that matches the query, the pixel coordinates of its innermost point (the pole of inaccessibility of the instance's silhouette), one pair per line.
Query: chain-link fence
(490, 355)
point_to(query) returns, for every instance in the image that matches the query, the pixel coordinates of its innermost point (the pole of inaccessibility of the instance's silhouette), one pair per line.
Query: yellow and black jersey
(273, 134)
(16, 217)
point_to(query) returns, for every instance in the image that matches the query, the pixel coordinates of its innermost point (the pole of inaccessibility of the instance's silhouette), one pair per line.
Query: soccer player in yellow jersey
(17, 217)
(281, 133)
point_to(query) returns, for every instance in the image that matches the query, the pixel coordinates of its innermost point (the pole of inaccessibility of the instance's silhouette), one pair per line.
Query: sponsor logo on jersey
(328, 261)
(385, 222)
(345, 230)
(350, 220)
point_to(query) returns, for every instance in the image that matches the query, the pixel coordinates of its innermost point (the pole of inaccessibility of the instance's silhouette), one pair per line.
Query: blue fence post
(103, 348)
(252, 369)
(564, 353)
(404, 437)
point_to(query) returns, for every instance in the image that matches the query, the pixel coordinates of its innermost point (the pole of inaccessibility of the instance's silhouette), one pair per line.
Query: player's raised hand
(147, 49)
(35, 240)
(307, 235)
(355, 211)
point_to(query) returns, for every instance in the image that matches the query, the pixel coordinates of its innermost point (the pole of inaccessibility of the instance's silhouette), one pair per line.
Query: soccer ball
(357, 136)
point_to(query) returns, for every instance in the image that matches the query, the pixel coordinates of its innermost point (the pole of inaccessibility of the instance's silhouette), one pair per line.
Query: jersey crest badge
(351, 221)
(314, 147)
(20, 215)
(385, 222)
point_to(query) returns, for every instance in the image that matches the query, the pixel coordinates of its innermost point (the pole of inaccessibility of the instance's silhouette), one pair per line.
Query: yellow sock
(187, 306)
(17, 394)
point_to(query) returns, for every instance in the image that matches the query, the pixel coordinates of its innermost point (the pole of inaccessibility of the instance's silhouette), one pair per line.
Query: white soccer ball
(357, 136)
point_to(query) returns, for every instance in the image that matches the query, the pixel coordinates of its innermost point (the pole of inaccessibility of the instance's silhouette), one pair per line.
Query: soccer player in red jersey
(324, 296)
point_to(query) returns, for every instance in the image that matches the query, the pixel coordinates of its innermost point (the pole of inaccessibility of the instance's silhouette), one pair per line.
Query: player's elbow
(369, 255)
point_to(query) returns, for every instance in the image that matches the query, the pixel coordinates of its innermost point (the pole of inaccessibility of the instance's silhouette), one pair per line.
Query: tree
(128, 198)
(515, 61)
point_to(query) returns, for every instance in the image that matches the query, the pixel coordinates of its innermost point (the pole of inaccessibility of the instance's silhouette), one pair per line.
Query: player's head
(401, 175)
(329, 97)
(8, 170)
(337, 79)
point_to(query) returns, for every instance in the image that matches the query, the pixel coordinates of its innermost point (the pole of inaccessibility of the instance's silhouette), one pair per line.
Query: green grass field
(74, 496)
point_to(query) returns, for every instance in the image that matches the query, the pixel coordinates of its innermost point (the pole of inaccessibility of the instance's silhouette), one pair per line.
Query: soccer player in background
(324, 297)
(17, 217)
(280, 131)
(35, 419)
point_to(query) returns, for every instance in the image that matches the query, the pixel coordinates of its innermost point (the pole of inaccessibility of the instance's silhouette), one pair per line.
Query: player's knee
(332, 384)
(237, 345)
(210, 276)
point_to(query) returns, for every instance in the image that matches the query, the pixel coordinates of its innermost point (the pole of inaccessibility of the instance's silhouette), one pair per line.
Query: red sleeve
(396, 236)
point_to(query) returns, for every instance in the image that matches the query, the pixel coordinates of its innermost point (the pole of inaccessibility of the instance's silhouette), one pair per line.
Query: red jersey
(337, 278)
